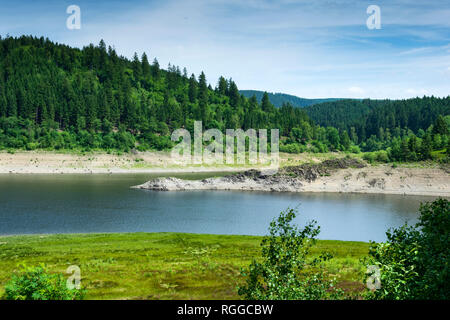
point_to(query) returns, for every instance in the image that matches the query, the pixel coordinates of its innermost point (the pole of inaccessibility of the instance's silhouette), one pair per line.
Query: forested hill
(101, 99)
(53, 96)
(368, 116)
(278, 99)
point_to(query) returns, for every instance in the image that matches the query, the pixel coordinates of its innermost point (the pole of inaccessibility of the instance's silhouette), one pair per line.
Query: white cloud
(309, 48)
(416, 92)
(356, 90)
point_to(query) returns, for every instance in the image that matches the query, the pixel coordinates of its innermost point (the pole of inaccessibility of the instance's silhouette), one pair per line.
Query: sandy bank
(379, 179)
(371, 179)
(50, 162)
(70, 163)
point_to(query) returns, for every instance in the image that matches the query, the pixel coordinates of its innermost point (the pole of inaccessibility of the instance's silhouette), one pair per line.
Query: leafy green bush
(35, 283)
(318, 147)
(414, 262)
(31, 146)
(292, 148)
(382, 156)
(369, 157)
(284, 272)
(355, 149)
(378, 156)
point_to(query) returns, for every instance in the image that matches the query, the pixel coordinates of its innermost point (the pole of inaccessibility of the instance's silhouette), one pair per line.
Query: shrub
(354, 149)
(369, 157)
(142, 147)
(31, 146)
(37, 284)
(318, 147)
(284, 272)
(292, 148)
(381, 156)
(159, 142)
(414, 262)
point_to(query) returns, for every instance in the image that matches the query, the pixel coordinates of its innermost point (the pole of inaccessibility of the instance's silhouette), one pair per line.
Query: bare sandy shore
(386, 180)
(71, 163)
(380, 179)
(43, 162)
(370, 179)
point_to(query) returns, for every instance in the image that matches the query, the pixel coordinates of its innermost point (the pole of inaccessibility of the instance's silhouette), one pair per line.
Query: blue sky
(309, 48)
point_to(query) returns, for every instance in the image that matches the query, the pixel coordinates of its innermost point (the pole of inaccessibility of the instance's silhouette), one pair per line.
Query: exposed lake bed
(344, 175)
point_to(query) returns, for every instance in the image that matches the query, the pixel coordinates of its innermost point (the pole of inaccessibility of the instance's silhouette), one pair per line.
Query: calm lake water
(33, 204)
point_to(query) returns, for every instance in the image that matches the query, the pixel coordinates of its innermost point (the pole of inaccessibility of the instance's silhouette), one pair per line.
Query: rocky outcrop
(288, 179)
(338, 175)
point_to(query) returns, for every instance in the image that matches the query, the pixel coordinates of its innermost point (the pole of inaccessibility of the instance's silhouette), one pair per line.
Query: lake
(38, 204)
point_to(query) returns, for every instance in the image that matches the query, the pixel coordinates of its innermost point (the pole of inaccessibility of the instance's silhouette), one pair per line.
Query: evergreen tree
(137, 67)
(345, 140)
(192, 93)
(404, 150)
(222, 86)
(234, 95)
(440, 126)
(265, 103)
(426, 147)
(155, 69)
(412, 144)
(203, 97)
(146, 70)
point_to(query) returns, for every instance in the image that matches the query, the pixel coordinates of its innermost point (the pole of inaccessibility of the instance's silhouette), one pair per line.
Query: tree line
(53, 96)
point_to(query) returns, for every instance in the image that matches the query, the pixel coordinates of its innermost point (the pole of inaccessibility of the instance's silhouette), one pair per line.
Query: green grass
(161, 265)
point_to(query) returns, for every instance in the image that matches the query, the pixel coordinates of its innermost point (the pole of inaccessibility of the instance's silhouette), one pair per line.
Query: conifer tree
(155, 69)
(146, 70)
(192, 93)
(234, 95)
(265, 103)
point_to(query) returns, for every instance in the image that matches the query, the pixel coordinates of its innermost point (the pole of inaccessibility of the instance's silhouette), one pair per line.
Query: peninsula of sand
(299, 173)
(337, 175)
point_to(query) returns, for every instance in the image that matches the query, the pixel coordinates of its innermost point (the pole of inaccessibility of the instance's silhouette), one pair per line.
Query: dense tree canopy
(367, 117)
(278, 99)
(53, 96)
(94, 93)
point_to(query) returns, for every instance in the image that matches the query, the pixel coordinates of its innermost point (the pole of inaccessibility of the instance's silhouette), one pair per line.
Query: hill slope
(277, 99)
(368, 116)
(55, 96)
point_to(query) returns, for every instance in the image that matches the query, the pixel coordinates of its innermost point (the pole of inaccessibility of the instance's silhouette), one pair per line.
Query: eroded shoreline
(314, 177)
(339, 175)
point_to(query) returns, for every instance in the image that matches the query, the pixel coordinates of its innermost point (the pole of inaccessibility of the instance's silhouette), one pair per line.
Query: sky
(308, 48)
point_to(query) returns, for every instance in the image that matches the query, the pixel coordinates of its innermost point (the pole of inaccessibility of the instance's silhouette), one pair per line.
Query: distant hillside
(368, 116)
(277, 99)
(342, 113)
(55, 97)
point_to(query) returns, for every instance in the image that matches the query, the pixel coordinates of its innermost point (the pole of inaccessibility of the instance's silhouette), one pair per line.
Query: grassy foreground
(161, 265)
